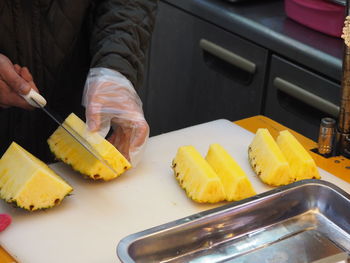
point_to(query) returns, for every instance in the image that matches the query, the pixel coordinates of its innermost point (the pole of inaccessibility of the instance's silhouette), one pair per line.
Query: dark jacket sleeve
(120, 36)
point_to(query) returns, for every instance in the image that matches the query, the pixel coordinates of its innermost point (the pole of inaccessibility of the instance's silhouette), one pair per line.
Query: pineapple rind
(235, 181)
(68, 150)
(31, 185)
(268, 161)
(302, 165)
(196, 177)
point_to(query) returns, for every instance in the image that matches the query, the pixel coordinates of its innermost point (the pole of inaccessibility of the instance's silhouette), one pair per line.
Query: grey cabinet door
(199, 72)
(298, 98)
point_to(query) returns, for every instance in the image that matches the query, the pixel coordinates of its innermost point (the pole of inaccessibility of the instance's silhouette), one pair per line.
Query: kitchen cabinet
(214, 59)
(200, 72)
(299, 98)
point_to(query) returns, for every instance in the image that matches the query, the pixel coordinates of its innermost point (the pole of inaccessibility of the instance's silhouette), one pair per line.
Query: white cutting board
(88, 225)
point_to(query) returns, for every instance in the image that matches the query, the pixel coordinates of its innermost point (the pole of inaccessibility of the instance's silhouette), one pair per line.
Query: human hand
(110, 100)
(14, 82)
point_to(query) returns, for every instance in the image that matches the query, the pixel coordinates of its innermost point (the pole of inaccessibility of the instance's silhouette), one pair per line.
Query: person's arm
(121, 34)
(119, 41)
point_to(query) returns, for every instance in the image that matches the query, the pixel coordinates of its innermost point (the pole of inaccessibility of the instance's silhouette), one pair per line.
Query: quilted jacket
(59, 40)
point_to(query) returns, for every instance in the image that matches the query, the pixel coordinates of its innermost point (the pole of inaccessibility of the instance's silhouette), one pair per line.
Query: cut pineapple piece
(71, 152)
(235, 181)
(302, 166)
(28, 182)
(268, 161)
(196, 176)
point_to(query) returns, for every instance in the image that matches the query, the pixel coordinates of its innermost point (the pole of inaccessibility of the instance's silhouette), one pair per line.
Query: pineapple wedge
(268, 161)
(196, 176)
(302, 166)
(28, 182)
(71, 152)
(236, 183)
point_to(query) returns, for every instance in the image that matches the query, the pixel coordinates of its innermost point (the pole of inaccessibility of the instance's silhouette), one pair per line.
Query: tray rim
(125, 242)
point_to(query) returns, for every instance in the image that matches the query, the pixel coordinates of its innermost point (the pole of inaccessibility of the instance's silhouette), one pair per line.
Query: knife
(38, 101)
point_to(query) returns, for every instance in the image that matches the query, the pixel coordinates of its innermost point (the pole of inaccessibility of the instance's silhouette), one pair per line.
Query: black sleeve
(120, 36)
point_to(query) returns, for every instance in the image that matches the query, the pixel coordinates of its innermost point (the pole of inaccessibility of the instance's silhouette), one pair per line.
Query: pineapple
(302, 166)
(196, 176)
(31, 185)
(236, 183)
(268, 161)
(71, 152)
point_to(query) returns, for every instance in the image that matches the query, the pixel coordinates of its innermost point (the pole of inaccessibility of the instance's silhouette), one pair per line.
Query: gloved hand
(111, 101)
(14, 80)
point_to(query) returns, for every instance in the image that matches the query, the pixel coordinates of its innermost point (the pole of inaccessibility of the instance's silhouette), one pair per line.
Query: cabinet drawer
(200, 72)
(298, 98)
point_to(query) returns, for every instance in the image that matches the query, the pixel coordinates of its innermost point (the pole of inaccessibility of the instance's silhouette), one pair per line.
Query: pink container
(319, 15)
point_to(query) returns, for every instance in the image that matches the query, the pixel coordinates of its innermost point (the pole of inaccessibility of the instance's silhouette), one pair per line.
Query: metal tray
(307, 221)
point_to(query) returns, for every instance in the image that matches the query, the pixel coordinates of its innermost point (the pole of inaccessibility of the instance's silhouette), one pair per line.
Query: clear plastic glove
(111, 101)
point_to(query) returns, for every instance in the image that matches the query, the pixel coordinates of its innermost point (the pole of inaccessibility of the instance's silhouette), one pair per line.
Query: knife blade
(36, 100)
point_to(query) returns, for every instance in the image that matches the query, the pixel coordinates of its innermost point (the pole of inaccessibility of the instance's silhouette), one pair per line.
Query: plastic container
(325, 17)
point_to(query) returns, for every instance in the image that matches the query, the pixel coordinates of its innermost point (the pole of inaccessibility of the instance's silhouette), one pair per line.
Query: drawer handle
(227, 56)
(306, 97)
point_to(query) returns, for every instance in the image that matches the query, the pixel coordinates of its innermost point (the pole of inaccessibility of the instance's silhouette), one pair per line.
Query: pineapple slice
(268, 161)
(71, 152)
(31, 185)
(236, 183)
(196, 176)
(302, 166)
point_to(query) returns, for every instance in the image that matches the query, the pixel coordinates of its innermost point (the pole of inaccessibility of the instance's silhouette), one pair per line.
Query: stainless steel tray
(308, 221)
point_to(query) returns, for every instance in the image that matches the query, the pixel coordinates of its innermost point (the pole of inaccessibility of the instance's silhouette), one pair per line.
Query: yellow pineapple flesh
(71, 152)
(235, 181)
(196, 176)
(267, 160)
(29, 182)
(302, 165)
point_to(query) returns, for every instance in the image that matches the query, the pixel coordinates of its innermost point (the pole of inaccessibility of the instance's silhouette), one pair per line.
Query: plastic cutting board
(88, 225)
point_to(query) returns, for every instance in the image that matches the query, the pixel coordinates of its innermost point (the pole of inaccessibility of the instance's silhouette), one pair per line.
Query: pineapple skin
(302, 165)
(68, 150)
(196, 177)
(267, 160)
(235, 181)
(31, 185)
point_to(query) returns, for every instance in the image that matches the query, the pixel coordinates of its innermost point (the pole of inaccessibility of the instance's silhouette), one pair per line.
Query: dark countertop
(265, 24)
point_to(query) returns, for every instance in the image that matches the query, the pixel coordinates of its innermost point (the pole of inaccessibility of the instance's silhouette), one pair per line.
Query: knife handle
(33, 97)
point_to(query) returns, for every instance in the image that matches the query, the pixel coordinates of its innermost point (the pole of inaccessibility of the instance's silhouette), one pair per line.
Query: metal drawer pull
(307, 97)
(227, 56)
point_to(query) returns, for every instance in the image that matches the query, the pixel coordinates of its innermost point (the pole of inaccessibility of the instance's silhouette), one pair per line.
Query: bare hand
(14, 80)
